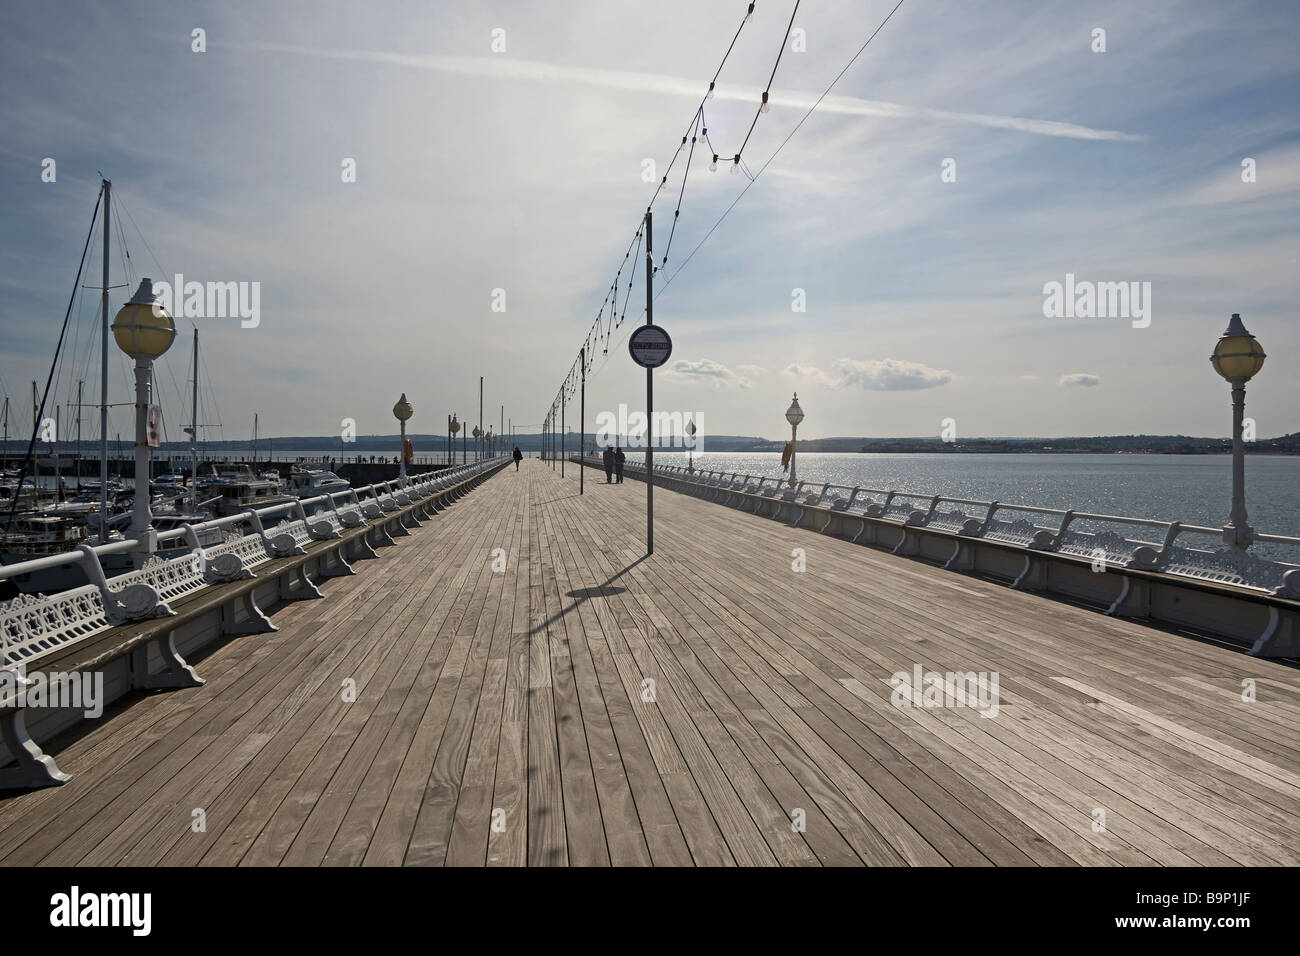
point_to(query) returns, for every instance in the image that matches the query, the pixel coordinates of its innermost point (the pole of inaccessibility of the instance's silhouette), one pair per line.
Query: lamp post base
(146, 544)
(1238, 537)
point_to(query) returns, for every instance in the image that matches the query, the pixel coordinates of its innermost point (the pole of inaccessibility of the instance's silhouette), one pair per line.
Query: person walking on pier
(607, 456)
(518, 457)
(619, 458)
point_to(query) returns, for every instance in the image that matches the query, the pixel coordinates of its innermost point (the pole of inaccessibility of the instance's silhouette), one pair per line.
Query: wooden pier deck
(501, 719)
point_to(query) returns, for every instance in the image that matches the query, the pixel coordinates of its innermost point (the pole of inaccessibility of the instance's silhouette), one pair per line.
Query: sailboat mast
(103, 379)
(54, 453)
(80, 384)
(194, 430)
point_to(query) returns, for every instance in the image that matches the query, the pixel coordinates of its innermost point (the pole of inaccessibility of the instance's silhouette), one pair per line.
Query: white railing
(32, 625)
(1142, 543)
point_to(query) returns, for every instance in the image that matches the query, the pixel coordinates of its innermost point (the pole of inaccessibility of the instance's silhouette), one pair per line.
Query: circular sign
(650, 346)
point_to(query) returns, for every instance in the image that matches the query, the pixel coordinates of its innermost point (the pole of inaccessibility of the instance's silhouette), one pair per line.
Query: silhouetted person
(518, 457)
(619, 458)
(607, 456)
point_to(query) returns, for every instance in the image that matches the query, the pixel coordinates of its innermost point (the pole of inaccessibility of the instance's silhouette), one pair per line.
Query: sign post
(650, 347)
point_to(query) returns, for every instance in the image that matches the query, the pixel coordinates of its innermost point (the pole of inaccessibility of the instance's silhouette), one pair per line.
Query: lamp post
(144, 331)
(1237, 357)
(793, 415)
(454, 428)
(690, 454)
(402, 411)
(477, 433)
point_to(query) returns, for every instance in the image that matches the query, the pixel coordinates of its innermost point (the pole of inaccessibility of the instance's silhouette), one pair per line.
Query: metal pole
(80, 383)
(563, 401)
(794, 432)
(401, 458)
(103, 378)
(649, 395)
(478, 442)
(1242, 531)
(141, 519)
(194, 430)
(582, 421)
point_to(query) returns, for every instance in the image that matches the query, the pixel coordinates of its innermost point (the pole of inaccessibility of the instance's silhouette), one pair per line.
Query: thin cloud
(534, 70)
(1276, 176)
(708, 370)
(1079, 380)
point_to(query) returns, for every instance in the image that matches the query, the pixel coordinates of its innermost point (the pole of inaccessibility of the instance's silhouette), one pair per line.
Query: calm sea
(1194, 489)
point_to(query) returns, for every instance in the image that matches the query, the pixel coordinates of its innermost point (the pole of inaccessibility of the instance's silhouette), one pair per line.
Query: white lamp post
(144, 331)
(1237, 357)
(690, 454)
(402, 411)
(793, 415)
(477, 433)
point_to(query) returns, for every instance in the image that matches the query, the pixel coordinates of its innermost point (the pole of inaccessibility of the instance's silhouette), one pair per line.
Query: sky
(972, 155)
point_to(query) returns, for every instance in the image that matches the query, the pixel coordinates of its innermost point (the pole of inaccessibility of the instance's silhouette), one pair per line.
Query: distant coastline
(1104, 445)
(436, 445)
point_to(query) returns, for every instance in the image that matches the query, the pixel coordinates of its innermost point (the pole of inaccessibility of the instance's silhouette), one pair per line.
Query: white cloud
(1079, 380)
(878, 375)
(809, 374)
(889, 375)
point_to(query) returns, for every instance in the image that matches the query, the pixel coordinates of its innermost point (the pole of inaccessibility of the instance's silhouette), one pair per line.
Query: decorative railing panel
(32, 625)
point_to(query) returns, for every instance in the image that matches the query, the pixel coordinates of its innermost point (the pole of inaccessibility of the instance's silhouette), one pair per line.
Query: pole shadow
(579, 595)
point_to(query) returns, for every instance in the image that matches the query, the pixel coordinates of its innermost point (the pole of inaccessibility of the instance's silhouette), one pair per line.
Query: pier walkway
(586, 705)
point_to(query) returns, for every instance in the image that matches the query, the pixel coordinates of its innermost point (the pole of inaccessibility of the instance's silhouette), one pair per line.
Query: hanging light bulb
(766, 107)
(735, 165)
(713, 166)
(749, 17)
